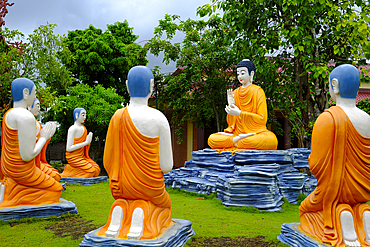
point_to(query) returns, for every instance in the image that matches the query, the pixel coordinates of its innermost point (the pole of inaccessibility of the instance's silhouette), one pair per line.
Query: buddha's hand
(232, 110)
(230, 97)
(48, 130)
(89, 138)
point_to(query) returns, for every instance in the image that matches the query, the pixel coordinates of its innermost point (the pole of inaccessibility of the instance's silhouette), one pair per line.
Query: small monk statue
(137, 153)
(21, 181)
(246, 116)
(80, 165)
(336, 212)
(41, 161)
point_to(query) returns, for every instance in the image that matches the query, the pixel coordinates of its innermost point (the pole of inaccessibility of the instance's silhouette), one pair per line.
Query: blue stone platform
(176, 235)
(38, 211)
(293, 236)
(84, 181)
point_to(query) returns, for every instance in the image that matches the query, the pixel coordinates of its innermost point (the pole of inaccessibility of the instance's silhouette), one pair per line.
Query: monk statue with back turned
(41, 161)
(137, 153)
(336, 212)
(80, 165)
(246, 116)
(22, 182)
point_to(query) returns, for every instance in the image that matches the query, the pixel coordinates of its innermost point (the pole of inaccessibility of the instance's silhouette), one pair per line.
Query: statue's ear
(151, 87)
(335, 84)
(127, 87)
(26, 93)
(252, 75)
(76, 115)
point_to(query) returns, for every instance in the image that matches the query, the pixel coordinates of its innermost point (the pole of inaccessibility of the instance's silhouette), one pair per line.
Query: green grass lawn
(210, 219)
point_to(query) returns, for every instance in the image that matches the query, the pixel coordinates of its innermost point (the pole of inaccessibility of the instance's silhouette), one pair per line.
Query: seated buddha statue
(80, 165)
(22, 182)
(336, 212)
(137, 153)
(246, 116)
(41, 161)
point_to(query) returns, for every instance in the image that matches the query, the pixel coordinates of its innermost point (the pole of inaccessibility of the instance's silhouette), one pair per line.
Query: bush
(364, 105)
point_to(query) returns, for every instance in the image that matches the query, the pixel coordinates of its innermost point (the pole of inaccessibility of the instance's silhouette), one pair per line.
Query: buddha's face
(243, 75)
(82, 117)
(35, 110)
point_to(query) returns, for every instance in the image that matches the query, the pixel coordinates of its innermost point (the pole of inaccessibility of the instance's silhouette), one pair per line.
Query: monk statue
(137, 153)
(246, 116)
(22, 182)
(80, 165)
(41, 161)
(336, 212)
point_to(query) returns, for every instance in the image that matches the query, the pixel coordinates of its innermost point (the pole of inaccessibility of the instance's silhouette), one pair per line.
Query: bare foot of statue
(366, 221)
(137, 225)
(241, 136)
(115, 223)
(348, 229)
(2, 192)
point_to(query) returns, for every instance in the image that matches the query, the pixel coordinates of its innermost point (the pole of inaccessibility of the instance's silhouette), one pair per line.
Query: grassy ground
(209, 217)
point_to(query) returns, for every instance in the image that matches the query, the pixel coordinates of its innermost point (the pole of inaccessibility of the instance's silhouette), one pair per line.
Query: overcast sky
(142, 15)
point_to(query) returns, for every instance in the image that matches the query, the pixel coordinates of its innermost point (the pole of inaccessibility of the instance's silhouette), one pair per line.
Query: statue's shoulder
(18, 117)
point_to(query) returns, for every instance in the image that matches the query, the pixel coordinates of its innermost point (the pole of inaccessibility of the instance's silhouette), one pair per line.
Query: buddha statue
(137, 153)
(80, 165)
(246, 116)
(22, 182)
(41, 161)
(336, 212)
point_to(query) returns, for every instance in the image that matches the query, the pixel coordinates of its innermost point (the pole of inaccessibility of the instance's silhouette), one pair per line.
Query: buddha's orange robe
(136, 179)
(251, 101)
(340, 160)
(41, 161)
(80, 165)
(25, 183)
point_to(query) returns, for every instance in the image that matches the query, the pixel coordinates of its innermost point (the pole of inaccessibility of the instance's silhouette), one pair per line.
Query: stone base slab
(84, 181)
(292, 235)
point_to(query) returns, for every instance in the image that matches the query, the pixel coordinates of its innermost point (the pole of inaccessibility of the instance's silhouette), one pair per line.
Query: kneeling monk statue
(22, 182)
(246, 116)
(41, 161)
(336, 212)
(80, 165)
(137, 153)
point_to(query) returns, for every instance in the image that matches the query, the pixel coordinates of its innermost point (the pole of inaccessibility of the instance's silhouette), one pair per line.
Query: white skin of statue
(76, 131)
(245, 79)
(360, 121)
(152, 123)
(35, 110)
(21, 119)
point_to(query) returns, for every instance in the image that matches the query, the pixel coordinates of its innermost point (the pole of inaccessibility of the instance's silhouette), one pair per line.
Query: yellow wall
(365, 85)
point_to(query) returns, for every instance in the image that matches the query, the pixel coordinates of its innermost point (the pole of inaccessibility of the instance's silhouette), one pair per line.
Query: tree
(100, 104)
(104, 57)
(207, 64)
(303, 37)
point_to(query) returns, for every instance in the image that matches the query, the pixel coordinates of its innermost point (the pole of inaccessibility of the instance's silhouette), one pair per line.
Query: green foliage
(57, 165)
(100, 105)
(104, 58)
(205, 58)
(364, 105)
(302, 37)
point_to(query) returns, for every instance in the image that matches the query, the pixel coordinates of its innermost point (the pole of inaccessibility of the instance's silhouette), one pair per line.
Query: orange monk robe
(136, 179)
(340, 160)
(80, 165)
(25, 183)
(251, 101)
(41, 161)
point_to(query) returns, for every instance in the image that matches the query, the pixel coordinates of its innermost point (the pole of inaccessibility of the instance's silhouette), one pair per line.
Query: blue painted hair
(33, 104)
(248, 64)
(18, 85)
(348, 77)
(78, 111)
(138, 81)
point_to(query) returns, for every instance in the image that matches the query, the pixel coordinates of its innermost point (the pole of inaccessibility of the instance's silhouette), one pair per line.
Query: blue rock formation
(248, 178)
(84, 181)
(38, 211)
(300, 157)
(177, 235)
(293, 236)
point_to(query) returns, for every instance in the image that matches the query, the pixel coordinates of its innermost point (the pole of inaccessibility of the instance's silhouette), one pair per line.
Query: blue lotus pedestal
(176, 235)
